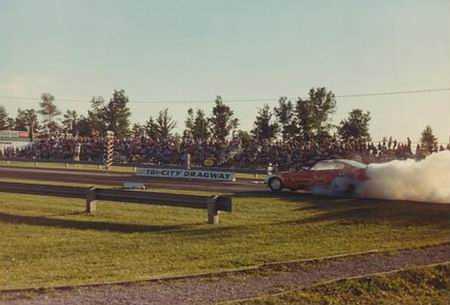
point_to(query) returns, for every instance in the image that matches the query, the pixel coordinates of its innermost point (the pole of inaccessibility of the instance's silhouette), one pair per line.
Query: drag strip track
(101, 178)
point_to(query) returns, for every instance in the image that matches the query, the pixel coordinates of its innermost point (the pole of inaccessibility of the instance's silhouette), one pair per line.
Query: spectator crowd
(232, 154)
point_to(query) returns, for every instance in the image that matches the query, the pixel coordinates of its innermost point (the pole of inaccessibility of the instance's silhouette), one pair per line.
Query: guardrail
(213, 204)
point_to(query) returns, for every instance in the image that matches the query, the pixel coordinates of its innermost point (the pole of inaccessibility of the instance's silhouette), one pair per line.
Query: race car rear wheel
(275, 184)
(351, 189)
(343, 185)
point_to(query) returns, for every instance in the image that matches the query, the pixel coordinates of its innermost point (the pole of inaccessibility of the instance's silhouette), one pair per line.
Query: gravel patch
(210, 289)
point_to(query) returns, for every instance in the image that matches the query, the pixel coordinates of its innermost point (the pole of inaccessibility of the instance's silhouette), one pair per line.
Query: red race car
(337, 175)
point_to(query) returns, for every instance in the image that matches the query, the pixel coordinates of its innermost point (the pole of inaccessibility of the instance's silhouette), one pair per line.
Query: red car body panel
(309, 178)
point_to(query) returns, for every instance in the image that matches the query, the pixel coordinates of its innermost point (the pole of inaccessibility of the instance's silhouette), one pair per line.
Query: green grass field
(47, 241)
(429, 285)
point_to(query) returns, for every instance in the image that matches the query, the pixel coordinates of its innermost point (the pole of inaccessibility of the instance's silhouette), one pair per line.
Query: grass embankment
(95, 168)
(46, 241)
(429, 285)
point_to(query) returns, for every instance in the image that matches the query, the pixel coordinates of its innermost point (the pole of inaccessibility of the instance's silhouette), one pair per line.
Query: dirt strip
(211, 289)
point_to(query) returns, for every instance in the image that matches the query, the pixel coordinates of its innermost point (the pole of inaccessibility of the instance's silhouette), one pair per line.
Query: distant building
(13, 139)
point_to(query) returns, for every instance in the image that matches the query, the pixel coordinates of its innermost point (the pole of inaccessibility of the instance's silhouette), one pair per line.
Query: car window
(327, 165)
(354, 163)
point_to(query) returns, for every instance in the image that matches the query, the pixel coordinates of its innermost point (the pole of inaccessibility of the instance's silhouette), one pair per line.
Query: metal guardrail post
(91, 203)
(213, 212)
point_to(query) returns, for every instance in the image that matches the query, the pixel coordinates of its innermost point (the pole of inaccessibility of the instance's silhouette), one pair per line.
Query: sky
(182, 54)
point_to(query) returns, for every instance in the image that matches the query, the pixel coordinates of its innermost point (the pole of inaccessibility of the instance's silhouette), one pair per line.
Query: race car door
(325, 171)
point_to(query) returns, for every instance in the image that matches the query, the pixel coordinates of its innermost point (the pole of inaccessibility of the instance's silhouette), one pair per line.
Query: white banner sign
(185, 173)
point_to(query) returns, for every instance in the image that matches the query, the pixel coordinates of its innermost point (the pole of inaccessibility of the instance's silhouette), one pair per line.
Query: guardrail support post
(213, 213)
(91, 204)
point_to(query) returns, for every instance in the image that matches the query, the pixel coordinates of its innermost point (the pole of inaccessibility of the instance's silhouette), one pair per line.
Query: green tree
(313, 115)
(70, 121)
(197, 125)
(189, 123)
(201, 131)
(245, 138)
(21, 121)
(27, 120)
(84, 127)
(265, 129)
(355, 127)
(116, 114)
(94, 124)
(222, 121)
(11, 123)
(285, 116)
(151, 129)
(137, 130)
(304, 116)
(4, 124)
(428, 139)
(164, 125)
(49, 111)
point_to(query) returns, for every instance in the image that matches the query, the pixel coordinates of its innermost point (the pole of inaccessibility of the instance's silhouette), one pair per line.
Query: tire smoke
(427, 180)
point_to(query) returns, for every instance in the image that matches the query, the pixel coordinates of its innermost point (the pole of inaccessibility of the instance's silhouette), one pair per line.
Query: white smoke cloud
(427, 180)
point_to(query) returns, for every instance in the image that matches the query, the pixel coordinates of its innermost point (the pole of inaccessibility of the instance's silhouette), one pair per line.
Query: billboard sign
(185, 173)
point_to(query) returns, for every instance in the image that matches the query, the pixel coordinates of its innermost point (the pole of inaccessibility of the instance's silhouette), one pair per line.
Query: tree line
(303, 120)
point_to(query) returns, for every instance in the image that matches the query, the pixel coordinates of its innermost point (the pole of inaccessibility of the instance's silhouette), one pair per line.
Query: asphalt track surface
(117, 179)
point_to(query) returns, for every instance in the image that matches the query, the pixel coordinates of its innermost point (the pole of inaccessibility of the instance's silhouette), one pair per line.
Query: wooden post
(213, 213)
(91, 205)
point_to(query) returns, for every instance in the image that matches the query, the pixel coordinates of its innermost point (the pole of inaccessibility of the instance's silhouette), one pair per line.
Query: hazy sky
(195, 50)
